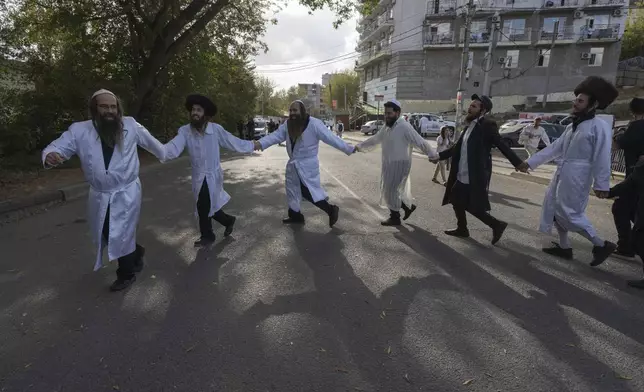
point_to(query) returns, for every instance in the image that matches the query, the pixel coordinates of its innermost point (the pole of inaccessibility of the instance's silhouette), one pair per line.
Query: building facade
(312, 96)
(411, 50)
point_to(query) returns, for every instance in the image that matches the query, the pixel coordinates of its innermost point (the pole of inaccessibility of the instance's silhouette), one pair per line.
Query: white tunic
(583, 159)
(205, 159)
(303, 164)
(118, 186)
(397, 146)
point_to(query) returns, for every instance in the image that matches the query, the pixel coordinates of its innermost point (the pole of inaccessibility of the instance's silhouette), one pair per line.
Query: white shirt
(398, 142)
(442, 144)
(463, 170)
(424, 124)
(530, 136)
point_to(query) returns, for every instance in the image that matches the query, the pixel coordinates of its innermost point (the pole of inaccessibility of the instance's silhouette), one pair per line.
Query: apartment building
(312, 96)
(411, 50)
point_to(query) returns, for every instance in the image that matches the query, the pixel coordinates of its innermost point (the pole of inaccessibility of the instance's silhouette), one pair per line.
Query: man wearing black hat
(632, 142)
(469, 176)
(585, 162)
(203, 139)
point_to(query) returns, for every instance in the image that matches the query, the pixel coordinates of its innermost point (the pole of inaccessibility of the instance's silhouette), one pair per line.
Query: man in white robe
(203, 139)
(584, 151)
(302, 134)
(107, 148)
(398, 139)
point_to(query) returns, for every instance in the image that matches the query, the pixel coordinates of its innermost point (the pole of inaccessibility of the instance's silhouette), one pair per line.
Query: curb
(68, 193)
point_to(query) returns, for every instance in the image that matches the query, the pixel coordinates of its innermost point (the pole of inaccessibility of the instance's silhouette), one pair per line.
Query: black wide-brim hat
(637, 105)
(209, 107)
(599, 88)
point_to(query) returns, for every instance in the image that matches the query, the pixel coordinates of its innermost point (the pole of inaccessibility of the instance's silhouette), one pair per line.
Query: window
(378, 71)
(512, 59)
(596, 57)
(544, 58)
(387, 67)
(513, 30)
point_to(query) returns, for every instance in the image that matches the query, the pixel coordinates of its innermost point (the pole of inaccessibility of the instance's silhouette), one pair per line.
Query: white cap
(101, 92)
(395, 102)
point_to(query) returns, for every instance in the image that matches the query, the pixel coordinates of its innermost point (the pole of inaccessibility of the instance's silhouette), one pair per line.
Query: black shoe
(333, 216)
(601, 253)
(497, 232)
(409, 211)
(638, 284)
(290, 220)
(557, 250)
(461, 233)
(230, 227)
(122, 284)
(391, 222)
(138, 267)
(204, 241)
(624, 252)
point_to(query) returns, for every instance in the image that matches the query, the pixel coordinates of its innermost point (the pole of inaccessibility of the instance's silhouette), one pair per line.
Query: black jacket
(483, 138)
(633, 184)
(632, 142)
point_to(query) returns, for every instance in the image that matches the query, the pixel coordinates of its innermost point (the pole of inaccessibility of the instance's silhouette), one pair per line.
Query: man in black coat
(471, 169)
(632, 142)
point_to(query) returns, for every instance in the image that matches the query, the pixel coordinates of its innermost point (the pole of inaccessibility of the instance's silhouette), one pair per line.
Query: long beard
(295, 126)
(472, 117)
(198, 123)
(109, 130)
(391, 121)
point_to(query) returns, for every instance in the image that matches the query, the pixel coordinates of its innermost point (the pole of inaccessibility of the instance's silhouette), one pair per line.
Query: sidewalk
(500, 165)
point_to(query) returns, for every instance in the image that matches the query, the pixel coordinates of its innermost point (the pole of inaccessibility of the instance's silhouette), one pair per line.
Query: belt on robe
(113, 192)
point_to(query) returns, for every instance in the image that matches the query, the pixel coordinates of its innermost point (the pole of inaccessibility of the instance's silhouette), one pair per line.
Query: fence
(618, 164)
(630, 77)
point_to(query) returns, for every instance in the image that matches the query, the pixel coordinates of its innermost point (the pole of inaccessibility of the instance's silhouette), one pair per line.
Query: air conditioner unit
(585, 56)
(501, 60)
(618, 12)
(578, 14)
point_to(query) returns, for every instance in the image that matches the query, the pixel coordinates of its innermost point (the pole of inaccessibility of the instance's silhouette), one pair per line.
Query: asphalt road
(356, 308)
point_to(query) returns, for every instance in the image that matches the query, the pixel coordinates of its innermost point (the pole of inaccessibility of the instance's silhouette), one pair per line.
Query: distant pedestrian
(443, 142)
(531, 135)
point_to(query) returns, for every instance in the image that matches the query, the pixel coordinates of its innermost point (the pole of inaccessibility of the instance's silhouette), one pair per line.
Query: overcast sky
(300, 41)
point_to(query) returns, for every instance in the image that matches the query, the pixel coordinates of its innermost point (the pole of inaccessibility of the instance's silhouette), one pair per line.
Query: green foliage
(340, 81)
(150, 53)
(633, 39)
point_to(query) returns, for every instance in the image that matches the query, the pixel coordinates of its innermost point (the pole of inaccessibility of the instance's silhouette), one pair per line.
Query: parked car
(517, 122)
(510, 135)
(436, 123)
(372, 127)
(261, 129)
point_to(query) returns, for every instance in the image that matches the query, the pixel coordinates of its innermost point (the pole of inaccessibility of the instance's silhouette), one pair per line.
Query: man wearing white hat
(107, 148)
(398, 139)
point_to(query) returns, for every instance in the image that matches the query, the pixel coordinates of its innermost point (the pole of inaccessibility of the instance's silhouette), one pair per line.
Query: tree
(340, 81)
(632, 43)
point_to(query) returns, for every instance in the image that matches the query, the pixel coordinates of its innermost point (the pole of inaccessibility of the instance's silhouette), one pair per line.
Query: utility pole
(465, 58)
(552, 45)
(490, 58)
(331, 99)
(345, 97)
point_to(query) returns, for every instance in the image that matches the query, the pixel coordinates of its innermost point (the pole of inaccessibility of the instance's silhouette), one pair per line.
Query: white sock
(564, 242)
(595, 240)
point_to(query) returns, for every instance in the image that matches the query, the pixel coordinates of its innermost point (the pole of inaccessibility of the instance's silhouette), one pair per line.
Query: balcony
(432, 39)
(554, 5)
(604, 3)
(441, 8)
(509, 36)
(492, 6)
(379, 26)
(571, 34)
(375, 53)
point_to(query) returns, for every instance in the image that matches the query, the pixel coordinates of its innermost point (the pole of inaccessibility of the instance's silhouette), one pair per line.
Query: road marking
(352, 193)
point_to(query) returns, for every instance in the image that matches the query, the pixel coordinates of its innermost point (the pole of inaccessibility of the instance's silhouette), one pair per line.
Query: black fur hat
(637, 105)
(209, 107)
(598, 88)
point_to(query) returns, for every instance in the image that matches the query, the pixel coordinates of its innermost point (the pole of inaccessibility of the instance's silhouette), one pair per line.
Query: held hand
(258, 145)
(434, 160)
(601, 194)
(53, 159)
(523, 167)
(355, 149)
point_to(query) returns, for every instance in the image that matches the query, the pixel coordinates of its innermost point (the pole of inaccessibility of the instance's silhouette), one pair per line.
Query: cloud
(300, 41)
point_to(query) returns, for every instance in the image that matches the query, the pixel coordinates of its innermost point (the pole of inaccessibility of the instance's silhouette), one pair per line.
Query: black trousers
(306, 194)
(396, 214)
(623, 214)
(128, 262)
(203, 209)
(460, 198)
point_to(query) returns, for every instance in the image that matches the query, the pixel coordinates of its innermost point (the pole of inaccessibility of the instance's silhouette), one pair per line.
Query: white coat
(205, 159)
(397, 147)
(583, 161)
(303, 164)
(118, 186)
